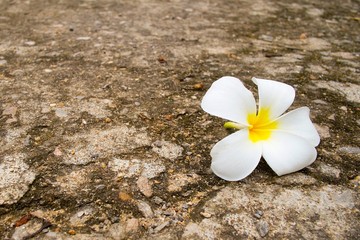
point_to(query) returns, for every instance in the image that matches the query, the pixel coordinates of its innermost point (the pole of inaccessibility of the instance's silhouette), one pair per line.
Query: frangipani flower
(286, 142)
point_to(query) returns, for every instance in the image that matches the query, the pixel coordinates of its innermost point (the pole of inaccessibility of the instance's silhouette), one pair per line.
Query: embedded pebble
(157, 200)
(266, 38)
(315, 12)
(167, 150)
(179, 180)
(123, 196)
(198, 86)
(206, 214)
(145, 209)
(332, 117)
(161, 226)
(343, 108)
(45, 110)
(144, 186)
(61, 113)
(319, 101)
(324, 131)
(350, 150)
(27, 140)
(329, 170)
(263, 228)
(152, 170)
(116, 231)
(132, 225)
(57, 152)
(3, 62)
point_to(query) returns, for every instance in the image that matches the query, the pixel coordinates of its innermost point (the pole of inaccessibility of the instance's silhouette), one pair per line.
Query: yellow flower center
(260, 125)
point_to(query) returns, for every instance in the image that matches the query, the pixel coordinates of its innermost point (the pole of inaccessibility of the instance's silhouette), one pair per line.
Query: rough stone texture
(296, 179)
(179, 180)
(167, 150)
(107, 142)
(131, 168)
(349, 90)
(206, 229)
(102, 134)
(74, 181)
(313, 213)
(15, 178)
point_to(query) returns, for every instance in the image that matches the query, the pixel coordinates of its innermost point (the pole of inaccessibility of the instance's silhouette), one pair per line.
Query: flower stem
(233, 125)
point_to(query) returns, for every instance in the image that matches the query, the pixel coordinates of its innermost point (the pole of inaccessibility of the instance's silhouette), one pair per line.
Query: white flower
(286, 142)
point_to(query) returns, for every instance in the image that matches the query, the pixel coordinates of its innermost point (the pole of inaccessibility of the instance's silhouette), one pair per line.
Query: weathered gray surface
(102, 135)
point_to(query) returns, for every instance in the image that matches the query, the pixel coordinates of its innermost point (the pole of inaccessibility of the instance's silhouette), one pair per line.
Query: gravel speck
(258, 214)
(83, 38)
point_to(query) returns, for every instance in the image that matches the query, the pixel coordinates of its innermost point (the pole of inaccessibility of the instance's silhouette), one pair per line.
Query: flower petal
(229, 99)
(274, 96)
(286, 153)
(235, 157)
(298, 123)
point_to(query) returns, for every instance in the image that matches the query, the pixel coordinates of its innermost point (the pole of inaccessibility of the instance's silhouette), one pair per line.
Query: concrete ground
(103, 137)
